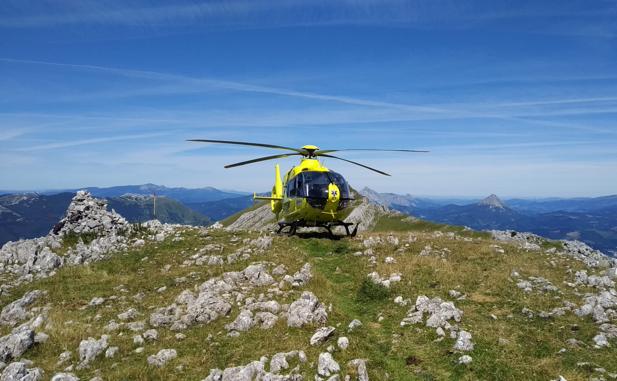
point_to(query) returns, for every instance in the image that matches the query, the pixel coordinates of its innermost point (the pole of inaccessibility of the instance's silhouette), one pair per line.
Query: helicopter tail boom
(255, 197)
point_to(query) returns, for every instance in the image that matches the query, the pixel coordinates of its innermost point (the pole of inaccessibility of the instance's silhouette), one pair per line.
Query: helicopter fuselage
(310, 194)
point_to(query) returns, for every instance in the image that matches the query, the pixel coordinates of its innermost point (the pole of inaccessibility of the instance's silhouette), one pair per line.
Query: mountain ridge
(582, 220)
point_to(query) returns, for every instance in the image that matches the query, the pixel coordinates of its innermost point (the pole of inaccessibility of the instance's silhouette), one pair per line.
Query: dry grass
(396, 353)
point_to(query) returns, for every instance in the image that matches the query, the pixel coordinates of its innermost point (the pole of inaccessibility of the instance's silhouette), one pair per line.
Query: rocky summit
(492, 201)
(87, 214)
(101, 299)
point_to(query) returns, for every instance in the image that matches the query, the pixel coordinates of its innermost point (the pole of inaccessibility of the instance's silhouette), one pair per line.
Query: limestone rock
(17, 311)
(89, 349)
(343, 342)
(321, 335)
(306, 310)
(64, 377)
(361, 371)
(18, 371)
(465, 360)
(326, 365)
(87, 214)
(162, 357)
(463, 342)
(16, 343)
(301, 277)
(355, 323)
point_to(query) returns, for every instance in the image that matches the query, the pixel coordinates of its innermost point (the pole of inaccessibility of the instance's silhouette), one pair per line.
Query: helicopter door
(292, 190)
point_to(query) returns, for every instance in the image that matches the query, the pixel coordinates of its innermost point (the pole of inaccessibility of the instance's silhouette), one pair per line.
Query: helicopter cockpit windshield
(315, 185)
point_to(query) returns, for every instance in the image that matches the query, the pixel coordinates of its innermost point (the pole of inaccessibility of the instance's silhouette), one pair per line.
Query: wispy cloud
(427, 111)
(240, 13)
(11, 134)
(81, 142)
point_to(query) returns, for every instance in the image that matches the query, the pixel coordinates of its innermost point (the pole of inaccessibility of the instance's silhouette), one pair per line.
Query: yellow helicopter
(310, 195)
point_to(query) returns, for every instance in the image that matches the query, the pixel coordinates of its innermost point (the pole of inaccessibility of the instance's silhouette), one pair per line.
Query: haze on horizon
(512, 98)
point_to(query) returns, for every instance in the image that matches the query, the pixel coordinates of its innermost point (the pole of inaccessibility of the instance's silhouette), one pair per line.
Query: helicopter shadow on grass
(319, 235)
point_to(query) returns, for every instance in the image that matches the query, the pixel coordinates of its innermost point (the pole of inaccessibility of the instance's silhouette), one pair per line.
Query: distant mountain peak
(493, 201)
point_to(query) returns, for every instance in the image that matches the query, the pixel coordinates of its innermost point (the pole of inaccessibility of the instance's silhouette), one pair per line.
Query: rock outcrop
(260, 219)
(87, 214)
(36, 258)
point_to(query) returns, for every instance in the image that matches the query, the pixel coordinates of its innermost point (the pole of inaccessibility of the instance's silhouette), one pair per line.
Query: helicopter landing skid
(293, 226)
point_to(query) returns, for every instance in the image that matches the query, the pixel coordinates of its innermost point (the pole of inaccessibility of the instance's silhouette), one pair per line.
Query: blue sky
(517, 98)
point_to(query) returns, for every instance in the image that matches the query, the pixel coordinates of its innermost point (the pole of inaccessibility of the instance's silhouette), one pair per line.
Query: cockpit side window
(292, 189)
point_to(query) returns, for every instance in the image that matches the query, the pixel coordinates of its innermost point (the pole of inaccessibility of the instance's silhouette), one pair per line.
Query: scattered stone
(360, 366)
(256, 370)
(243, 322)
(214, 298)
(18, 371)
(162, 357)
(465, 360)
(136, 326)
(89, 349)
(17, 311)
(440, 312)
(581, 277)
(306, 310)
(355, 323)
(376, 278)
(321, 335)
(463, 342)
(138, 340)
(41, 338)
(600, 341)
(343, 342)
(64, 377)
(112, 326)
(301, 277)
(151, 335)
(111, 352)
(16, 343)
(64, 357)
(96, 301)
(538, 283)
(326, 365)
(280, 361)
(262, 243)
(279, 270)
(130, 314)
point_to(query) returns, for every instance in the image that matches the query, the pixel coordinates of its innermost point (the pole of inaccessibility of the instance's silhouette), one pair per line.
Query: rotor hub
(310, 150)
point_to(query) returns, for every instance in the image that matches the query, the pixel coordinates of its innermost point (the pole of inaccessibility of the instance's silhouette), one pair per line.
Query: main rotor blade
(262, 159)
(353, 162)
(367, 149)
(246, 144)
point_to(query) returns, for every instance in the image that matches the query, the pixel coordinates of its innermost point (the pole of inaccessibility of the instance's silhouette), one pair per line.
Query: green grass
(403, 223)
(339, 279)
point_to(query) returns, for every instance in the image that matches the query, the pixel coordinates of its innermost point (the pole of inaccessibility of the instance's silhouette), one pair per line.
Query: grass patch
(371, 292)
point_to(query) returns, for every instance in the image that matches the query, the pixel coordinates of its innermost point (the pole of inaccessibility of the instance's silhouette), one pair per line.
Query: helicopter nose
(334, 193)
